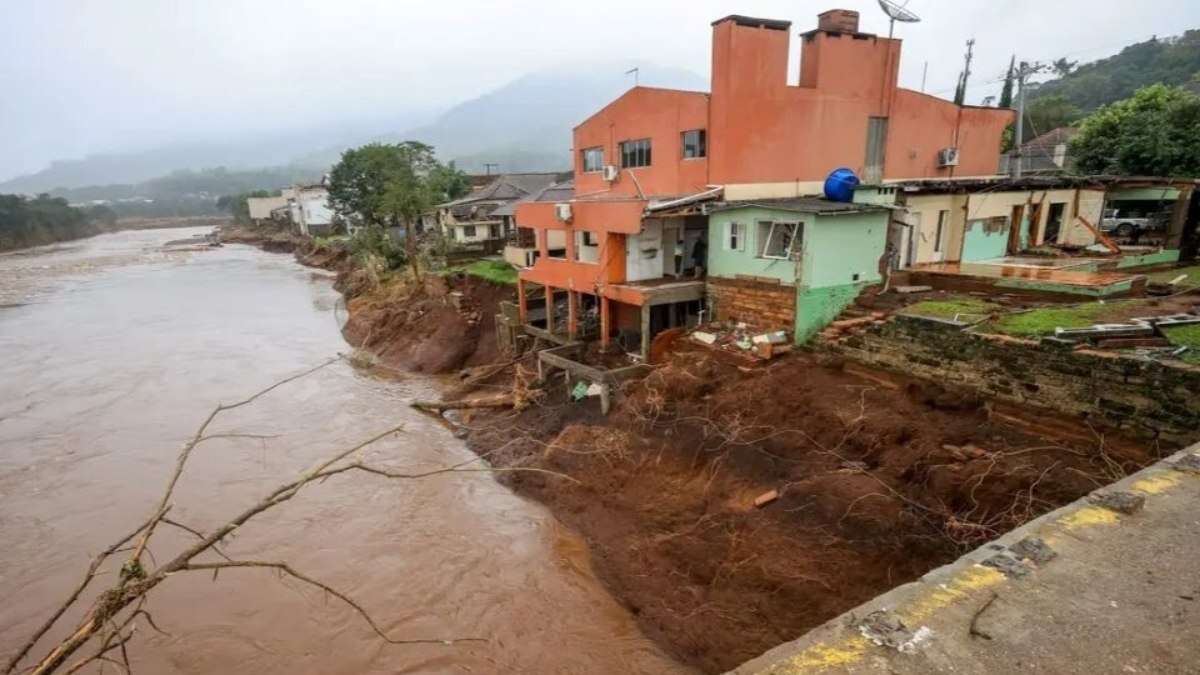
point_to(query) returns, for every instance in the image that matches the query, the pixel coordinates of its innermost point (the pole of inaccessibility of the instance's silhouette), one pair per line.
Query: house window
(468, 231)
(695, 144)
(589, 238)
(778, 239)
(736, 239)
(593, 160)
(635, 153)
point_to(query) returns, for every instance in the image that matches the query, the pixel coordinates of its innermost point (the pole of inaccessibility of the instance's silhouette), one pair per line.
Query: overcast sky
(82, 76)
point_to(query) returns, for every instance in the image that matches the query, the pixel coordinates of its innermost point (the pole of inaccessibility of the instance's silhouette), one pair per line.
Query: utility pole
(636, 72)
(487, 167)
(1023, 72)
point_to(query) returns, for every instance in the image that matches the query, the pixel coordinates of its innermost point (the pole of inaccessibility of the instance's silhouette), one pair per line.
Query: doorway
(940, 234)
(1016, 229)
(1054, 221)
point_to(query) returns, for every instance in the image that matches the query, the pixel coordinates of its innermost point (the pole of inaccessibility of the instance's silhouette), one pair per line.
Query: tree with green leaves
(1062, 67)
(1047, 114)
(237, 205)
(1156, 132)
(381, 186)
(1010, 79)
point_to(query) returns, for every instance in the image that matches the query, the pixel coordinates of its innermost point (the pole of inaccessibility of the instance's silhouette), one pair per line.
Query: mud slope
(439, 326)
(876, 486)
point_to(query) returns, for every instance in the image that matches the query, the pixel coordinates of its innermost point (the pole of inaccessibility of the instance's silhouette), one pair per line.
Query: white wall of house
(476, 232)
(261, 207)
(643, 252)
(584, 251)
(314, 210)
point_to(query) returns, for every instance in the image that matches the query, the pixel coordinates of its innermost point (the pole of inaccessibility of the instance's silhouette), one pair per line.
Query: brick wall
(1145, 398)
(760, 303)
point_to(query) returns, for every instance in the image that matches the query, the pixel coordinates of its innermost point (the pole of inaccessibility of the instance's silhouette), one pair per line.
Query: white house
(312, 212)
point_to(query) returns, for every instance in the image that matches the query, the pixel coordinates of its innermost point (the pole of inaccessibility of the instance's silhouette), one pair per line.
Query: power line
(1002, 76)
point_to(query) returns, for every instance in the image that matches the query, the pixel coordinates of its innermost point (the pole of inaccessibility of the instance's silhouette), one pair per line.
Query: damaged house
(651, 166)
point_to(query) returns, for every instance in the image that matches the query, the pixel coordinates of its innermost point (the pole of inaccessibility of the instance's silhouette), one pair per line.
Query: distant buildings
(483, 219)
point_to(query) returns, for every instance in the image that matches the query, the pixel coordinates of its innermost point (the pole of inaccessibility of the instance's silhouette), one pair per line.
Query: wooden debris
(766, 498)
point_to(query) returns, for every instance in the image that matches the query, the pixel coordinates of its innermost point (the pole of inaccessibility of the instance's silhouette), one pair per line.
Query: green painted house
(791, 264)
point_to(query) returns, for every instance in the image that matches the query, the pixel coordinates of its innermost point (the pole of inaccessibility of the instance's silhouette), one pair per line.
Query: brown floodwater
(112, 352)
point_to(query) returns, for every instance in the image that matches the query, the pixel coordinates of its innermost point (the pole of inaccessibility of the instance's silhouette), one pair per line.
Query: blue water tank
(839, 187)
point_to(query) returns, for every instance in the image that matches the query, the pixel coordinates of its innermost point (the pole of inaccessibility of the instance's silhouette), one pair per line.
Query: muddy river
(114, 350)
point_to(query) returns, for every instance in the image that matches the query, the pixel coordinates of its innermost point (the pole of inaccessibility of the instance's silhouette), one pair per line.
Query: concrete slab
(1107, 584)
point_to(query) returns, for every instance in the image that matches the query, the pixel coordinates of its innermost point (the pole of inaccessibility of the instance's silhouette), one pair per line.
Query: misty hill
(526, 124)
(186, 193)
(133, 168)
(1172, 61)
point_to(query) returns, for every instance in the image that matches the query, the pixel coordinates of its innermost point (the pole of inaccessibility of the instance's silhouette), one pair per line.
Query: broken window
(635, 153)
(778, 239)
(593, 160)
(736, 239)
(695, 144)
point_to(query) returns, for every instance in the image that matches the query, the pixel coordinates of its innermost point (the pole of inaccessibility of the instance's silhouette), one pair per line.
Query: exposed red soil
(439, 326)
(876, 487)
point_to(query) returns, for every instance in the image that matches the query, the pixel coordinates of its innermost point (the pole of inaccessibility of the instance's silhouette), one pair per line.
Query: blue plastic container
(839, 187)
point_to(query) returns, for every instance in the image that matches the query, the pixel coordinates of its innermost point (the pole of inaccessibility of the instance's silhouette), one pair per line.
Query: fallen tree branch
(135, 581)
(500, 401)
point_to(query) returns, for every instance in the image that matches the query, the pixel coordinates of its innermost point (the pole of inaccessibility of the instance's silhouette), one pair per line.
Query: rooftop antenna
(636, 73)
(897, 12)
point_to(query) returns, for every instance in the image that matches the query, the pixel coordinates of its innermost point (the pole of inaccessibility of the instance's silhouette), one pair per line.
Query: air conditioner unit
(610, 173)
(948, 157)
(563, 211)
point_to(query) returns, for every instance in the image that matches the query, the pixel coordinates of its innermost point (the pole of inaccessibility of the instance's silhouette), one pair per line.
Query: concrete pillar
(572, 314)
(522, 301)
(645, 331)
(549, 308)
(605, 321)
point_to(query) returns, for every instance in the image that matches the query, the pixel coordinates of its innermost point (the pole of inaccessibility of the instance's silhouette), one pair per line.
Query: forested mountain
(1172, 61)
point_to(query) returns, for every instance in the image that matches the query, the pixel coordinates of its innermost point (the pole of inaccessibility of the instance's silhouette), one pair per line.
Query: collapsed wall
(1145, 398)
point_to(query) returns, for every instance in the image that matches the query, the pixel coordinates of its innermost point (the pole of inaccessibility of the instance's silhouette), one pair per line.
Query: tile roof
(507, 187)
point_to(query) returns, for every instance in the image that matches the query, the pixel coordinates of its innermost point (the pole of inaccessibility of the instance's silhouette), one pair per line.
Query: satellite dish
(897, 12)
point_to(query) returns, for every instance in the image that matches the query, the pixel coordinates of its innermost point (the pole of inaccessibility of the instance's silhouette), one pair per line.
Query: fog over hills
(524, 125)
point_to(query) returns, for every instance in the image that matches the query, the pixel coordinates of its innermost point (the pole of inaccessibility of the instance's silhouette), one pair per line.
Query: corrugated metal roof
(799, 205)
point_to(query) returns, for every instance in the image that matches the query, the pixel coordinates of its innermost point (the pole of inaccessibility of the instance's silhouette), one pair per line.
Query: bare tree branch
(135, 582)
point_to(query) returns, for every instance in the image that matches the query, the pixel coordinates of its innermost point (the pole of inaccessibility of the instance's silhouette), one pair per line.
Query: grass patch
(950, 308)
(1186, 336)
(1043, 321)
(495, 271)
(1166, 276)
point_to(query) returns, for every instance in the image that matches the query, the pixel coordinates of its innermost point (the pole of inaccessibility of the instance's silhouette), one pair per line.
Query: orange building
(628, 249)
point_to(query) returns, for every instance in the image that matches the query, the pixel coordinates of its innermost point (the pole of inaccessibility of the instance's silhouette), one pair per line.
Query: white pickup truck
(1128, 226)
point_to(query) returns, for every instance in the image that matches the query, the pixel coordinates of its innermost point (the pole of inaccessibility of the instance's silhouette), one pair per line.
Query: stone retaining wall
(1146, 398)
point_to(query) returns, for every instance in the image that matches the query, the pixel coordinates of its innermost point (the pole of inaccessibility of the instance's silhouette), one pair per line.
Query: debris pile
(1145, 334)
(739, 338)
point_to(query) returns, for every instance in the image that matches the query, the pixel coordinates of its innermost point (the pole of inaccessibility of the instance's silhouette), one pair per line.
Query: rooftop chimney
(838, 21)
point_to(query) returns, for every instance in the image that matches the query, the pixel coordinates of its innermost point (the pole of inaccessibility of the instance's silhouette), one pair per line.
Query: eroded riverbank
(112, 365)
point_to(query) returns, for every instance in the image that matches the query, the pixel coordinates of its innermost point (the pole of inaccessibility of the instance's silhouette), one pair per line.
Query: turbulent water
(112, 351)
